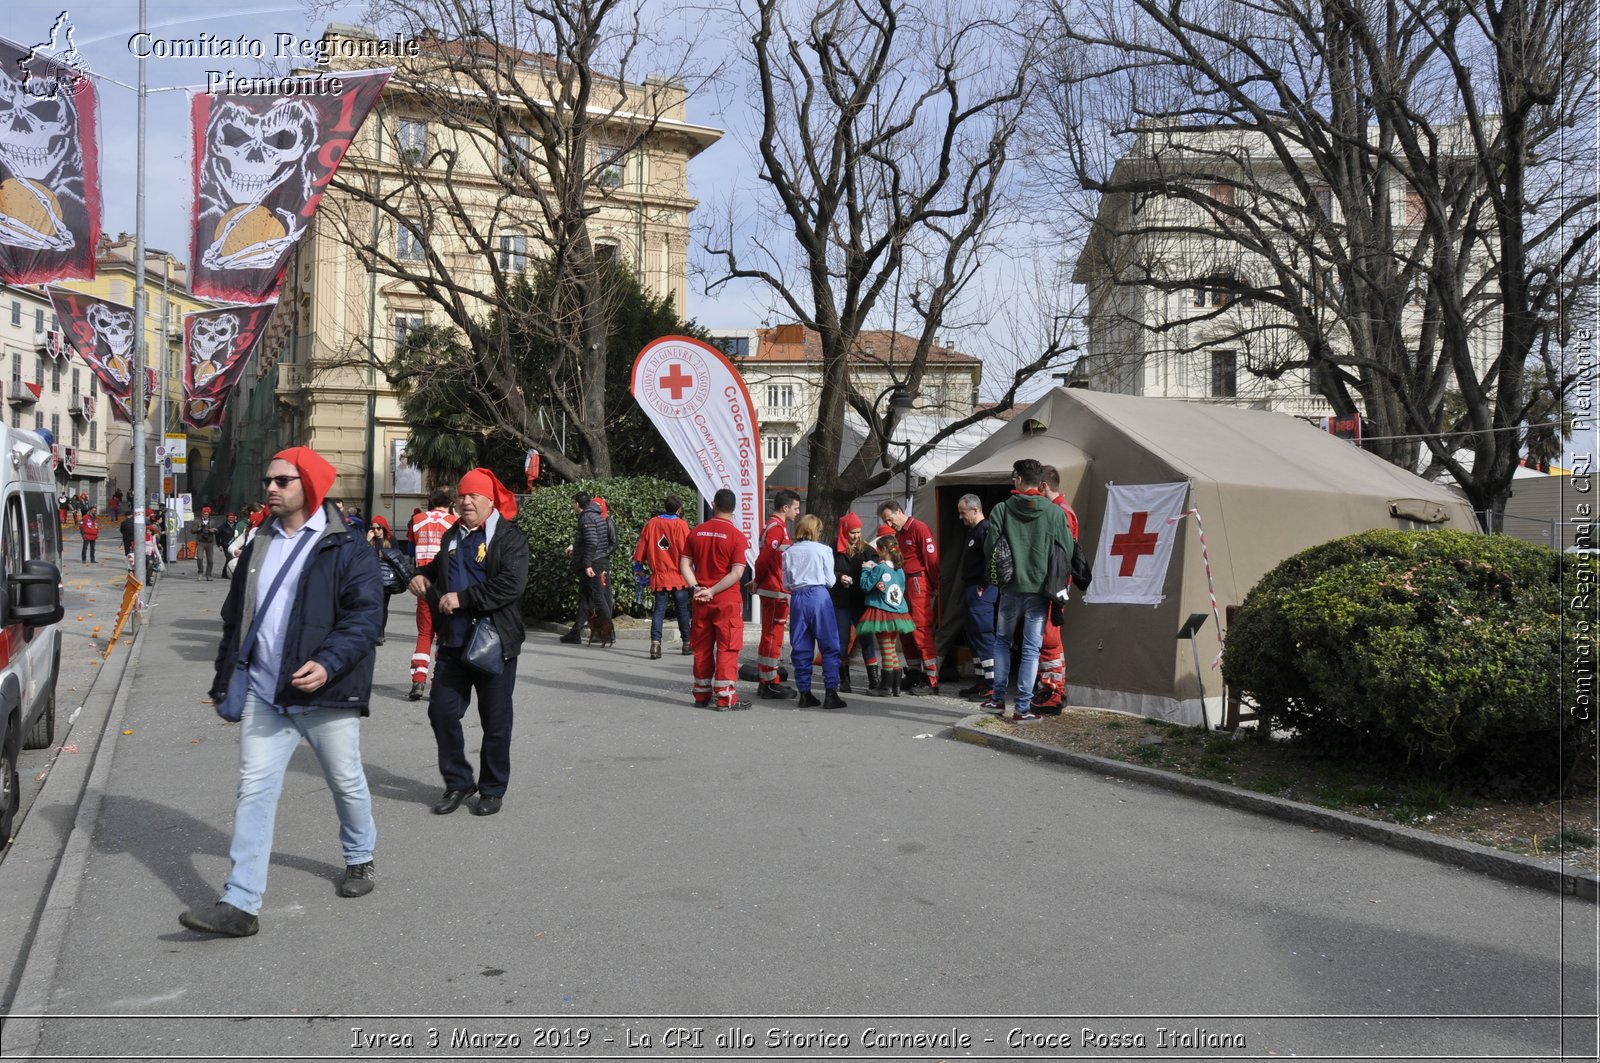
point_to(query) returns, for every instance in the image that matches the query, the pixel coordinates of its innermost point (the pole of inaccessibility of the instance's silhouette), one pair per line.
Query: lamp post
(900, 403)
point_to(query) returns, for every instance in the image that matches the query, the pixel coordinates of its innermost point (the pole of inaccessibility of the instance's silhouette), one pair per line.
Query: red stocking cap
(316, 475)
(481, 481)
(846, 523)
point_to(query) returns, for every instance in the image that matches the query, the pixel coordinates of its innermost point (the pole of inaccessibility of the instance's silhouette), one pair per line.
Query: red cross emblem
(676, 382)
(1133, 543)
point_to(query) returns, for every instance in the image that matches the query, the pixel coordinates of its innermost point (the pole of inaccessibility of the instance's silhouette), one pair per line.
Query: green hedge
(1439, 649)
(551, 524)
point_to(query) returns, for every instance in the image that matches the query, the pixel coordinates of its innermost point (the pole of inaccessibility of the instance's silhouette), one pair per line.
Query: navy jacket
(333, 620)
(499, 596)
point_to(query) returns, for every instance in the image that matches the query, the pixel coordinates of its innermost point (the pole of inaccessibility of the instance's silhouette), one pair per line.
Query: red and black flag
(49, 168)
(261, 165)
(102, 332)
(217, 345)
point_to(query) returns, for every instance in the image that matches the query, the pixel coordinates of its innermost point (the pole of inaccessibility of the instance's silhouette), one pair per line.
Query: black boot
(880, 682)
(832, 700)
(892, 677)
(844, 680)
(807, 700)
(874, 675)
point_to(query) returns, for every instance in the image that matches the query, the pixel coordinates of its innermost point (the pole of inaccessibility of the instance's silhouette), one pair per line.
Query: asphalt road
(856, 873)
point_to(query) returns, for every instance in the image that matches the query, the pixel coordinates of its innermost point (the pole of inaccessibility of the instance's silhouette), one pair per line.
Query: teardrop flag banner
(217, 345)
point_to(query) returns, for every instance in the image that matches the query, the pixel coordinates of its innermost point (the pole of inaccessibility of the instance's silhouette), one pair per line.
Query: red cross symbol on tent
(676, 382)
(1134, 543)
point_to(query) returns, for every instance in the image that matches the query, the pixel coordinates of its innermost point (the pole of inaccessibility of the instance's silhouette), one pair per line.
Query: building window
(16, 417)
(411, 137)
(778, 447)
(1224, 374)
(1324, 196)
(514, 151)
(733, 346)
(1314, 378)
(1416, 210)
(404, 326)
(38, 371)
(933, 395)
(513, 255)
(77, 435)
(38, 319)
(75, 387)
(16, 313)
(94, 433)
(1213, 292)
(16, 372)
(613, 165)
(55, 378)
(55, 427)
(38, 420)
(607, 251)
(94, 385)
(408, 245)
(780, 396)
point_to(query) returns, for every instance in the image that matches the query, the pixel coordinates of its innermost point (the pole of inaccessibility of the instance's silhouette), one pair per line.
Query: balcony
(292, 380)
(23, 393)
(83, 407)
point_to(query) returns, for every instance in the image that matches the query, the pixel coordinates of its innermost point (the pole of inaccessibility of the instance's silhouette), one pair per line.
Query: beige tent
(1266, 486)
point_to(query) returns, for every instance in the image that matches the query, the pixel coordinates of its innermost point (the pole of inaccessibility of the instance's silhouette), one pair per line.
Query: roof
(796, 343)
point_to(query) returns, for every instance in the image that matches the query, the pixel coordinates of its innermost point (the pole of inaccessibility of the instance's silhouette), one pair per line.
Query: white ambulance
(30, 608)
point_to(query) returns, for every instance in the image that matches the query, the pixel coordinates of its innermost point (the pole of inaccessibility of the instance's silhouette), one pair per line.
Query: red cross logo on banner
(676, 382)
(1133, 543)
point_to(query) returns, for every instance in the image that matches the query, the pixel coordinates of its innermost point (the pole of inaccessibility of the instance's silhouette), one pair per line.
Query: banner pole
(140, 404)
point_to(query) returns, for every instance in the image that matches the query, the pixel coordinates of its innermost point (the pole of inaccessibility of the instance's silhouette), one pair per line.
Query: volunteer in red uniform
(712, 565)
(774, 598)
(921, 556)
(660, 547)
(426, 532)
(1052, 657)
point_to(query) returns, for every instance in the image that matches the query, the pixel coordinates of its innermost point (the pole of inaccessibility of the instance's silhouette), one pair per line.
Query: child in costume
(887, 615)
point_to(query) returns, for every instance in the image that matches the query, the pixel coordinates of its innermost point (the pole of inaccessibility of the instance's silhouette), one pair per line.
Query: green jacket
(1031, 522)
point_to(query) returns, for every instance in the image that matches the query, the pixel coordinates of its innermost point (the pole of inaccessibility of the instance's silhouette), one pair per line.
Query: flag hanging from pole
(1136, 541)
(260, 168)
(698, 402)
(102, 332)
(217, 345)
(49, 164)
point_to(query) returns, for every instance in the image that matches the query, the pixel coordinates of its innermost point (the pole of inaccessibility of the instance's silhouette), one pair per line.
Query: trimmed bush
(1438, 649)
(551, 524)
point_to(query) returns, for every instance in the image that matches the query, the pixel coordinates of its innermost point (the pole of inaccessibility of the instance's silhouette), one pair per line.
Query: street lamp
(900, 403)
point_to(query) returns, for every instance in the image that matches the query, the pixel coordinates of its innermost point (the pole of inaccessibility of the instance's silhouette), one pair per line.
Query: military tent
(1265, 486)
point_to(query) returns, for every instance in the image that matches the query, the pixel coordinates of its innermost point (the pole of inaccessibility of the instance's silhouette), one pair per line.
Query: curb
(26, 1010)
(1549, 875)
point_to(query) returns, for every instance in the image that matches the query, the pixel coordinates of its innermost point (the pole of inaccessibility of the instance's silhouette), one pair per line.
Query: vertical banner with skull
(49, 168)
(102, 333)
(217, 345)
(260, 168)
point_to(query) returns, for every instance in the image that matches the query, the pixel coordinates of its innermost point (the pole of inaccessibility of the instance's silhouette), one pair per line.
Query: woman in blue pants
(808, 573)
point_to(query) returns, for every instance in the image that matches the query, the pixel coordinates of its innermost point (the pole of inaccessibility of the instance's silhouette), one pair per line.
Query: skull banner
(49, 169)
(217, 345)
(102, 332)
(260, 168)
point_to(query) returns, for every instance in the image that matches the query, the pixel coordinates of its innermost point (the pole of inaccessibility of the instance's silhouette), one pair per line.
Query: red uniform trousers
(774, 615)
(422, 656)
(716, 635)
(918, 646)
(1052, 660)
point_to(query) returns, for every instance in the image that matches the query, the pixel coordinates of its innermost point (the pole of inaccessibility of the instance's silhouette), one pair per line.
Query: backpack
(1005, 563)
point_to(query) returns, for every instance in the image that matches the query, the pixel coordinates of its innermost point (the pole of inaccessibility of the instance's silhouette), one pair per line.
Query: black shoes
(807, 700)
(452, 800)
(573, 637)
(844, 681)
(417, 690)
(730, 706)
(979, 692)
(221, 918)
(687, 650)
(655, 649)
(359, 880)
(775, 691)
(486, 806)
(832, 700)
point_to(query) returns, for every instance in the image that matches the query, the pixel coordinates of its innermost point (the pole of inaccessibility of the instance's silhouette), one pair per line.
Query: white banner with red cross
(1136, 543)
(698, 402)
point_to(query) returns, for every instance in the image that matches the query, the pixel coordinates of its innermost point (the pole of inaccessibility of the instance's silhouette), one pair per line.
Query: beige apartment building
(322, 385)
(1162, 278)
(782, 367)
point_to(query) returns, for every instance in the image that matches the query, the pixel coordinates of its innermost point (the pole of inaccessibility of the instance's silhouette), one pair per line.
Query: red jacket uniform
(1072, 516)
(769, 562)
(661, 546)
(918, 549)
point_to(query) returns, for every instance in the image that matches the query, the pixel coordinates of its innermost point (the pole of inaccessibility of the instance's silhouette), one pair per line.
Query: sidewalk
(657, 859)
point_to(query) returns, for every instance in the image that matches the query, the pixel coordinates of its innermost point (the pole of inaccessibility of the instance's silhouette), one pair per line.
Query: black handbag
(483, 652)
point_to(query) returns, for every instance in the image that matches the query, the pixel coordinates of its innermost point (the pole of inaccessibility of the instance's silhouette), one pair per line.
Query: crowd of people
(307, 606)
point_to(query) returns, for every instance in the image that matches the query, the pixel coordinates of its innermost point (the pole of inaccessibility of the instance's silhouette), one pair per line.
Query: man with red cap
(298, 629)
(712, 565)
(427, 532)
(477, 577)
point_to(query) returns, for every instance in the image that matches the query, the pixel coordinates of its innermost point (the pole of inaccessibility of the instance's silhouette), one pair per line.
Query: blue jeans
(267, 739)
(844, 619)
(1032, 609)
(658, 616)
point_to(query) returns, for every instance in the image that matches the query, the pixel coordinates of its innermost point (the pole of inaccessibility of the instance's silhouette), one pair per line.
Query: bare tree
(514, 143)
(1384, 194)
(883, 148)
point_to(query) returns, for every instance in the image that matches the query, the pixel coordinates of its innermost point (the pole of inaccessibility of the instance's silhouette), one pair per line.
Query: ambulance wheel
(44, 732)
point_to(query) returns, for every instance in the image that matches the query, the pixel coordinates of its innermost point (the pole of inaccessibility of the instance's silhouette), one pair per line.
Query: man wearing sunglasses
(298, 627)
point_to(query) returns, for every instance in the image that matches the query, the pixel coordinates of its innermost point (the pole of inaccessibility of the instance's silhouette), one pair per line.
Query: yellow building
(320, 387)
(167, 299)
